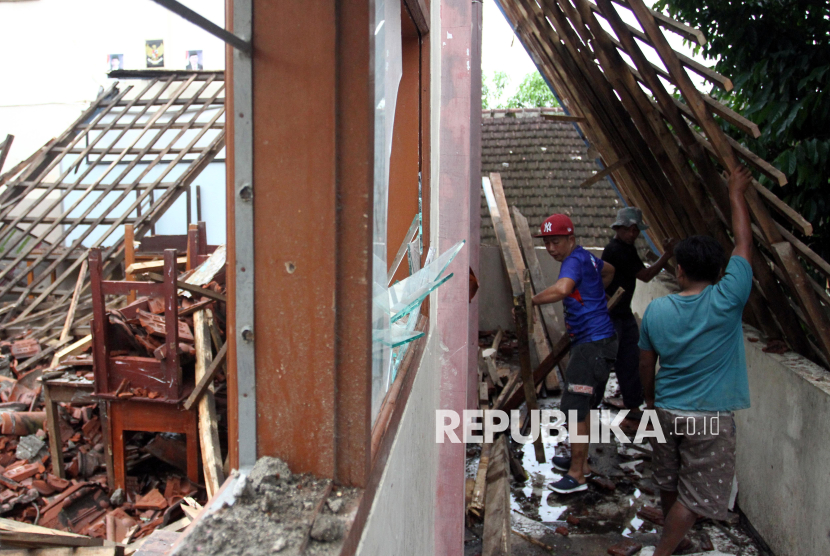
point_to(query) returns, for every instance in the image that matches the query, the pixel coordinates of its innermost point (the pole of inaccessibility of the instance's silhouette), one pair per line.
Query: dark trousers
(627, 366)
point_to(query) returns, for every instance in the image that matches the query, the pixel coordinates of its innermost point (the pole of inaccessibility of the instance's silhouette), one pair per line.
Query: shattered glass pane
(393, 337)
(407, 294)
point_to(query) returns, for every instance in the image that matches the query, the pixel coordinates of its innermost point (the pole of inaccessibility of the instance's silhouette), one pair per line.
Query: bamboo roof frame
(668, 156)
(125, 160)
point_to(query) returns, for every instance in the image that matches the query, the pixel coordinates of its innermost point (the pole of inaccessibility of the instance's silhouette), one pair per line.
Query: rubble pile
(158, 492)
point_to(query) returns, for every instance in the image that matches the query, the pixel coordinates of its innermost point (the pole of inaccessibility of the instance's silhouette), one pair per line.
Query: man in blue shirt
(581, 288)
(698, 337)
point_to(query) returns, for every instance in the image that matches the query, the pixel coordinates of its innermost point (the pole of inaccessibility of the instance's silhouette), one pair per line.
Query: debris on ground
(620, 512)
(73, 496)
(281, 512)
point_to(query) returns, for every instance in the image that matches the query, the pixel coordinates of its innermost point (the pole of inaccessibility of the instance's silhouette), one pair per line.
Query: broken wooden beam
(496, 535)
(151, 266)
(208, 419)
(606, 172)
(522, 316)
(207, 378)
(476, 506)
(204, 292)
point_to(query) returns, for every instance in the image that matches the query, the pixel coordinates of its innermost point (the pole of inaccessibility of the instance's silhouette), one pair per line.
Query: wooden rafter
(125, 160)
(676, 152)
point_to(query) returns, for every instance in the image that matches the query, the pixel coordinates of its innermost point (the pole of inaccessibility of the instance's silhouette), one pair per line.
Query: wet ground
(590, 522)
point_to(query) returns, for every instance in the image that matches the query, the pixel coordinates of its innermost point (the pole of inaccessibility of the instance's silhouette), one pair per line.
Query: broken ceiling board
(674, 173)
(125, 160)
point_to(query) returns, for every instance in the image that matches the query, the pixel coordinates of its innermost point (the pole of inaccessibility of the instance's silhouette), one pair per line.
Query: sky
(58, 57)
(502, 51)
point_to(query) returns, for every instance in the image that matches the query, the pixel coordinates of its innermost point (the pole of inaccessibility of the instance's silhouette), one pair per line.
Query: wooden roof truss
(125, 160)
(674, 150)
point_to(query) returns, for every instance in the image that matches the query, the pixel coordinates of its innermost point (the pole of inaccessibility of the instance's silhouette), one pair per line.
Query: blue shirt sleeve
(735, 286)
(571, 268)
(645, 341)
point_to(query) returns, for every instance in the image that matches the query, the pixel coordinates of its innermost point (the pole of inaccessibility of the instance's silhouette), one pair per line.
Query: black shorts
(586, 375)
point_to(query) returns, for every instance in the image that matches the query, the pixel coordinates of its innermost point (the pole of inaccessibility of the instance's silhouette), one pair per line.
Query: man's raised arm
(739, 180)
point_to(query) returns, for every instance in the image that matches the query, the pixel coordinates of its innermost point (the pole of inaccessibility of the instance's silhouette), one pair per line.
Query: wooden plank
(4, 149)
(99, 551)
(693, 65)
(70, 315)
(685, 31)
(208, 419)
(74, 349)
(207, 378)
(555, 328)
(20, 527)
(487, 366)
(512, 254)
(483, 394)
(606, 172)
(150, 266)
(785, 210)
(204, 292)
(496, 535)
(476, 506)
(804, 294)
(820, 264)
(20, 166)
(37, 540)
(523, 324)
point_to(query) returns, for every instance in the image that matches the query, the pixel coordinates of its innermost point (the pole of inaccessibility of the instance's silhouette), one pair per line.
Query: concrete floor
(605, 517)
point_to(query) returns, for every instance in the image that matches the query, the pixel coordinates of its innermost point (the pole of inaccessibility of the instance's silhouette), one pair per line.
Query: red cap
(556, 225)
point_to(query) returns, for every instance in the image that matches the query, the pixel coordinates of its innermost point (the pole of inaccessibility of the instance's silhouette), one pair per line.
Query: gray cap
(630, 216)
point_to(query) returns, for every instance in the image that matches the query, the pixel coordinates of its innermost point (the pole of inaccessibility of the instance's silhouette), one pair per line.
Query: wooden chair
(163, 376)
(162, 414)
(152, 249)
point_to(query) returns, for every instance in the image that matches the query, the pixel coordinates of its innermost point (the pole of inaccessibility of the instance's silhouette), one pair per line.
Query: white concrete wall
(402, 515)
(783, 459)
(784, 452)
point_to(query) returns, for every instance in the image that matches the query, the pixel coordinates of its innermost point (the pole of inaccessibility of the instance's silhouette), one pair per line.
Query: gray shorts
(697, 461)
(586, 375)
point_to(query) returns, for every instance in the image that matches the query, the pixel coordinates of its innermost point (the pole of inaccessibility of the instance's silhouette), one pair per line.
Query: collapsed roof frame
(674, 172)
(171, 126)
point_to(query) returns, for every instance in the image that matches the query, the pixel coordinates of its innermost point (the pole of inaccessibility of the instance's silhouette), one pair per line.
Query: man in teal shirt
(698, 337)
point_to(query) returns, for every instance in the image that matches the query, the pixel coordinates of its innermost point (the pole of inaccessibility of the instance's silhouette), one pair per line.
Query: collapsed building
(288, 380)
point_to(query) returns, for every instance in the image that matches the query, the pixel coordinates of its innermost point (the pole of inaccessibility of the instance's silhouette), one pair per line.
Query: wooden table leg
(117, 428)
(54, 430)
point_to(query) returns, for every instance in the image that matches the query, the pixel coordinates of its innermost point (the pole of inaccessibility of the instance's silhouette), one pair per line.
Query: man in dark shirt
(621, 253)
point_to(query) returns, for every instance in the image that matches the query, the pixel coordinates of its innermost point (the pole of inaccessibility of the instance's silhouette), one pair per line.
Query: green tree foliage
(533, 92)
(492, 90)
(777, 52)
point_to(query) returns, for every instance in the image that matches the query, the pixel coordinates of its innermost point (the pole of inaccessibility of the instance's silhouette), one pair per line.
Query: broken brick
(562, 531)
(23, 349)
(626, 548)
(651, 514)
(705, 542)
(153, 500)
(572, 520)
(56, 482)
(44, 488)
(602, 482)
(24, 472)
